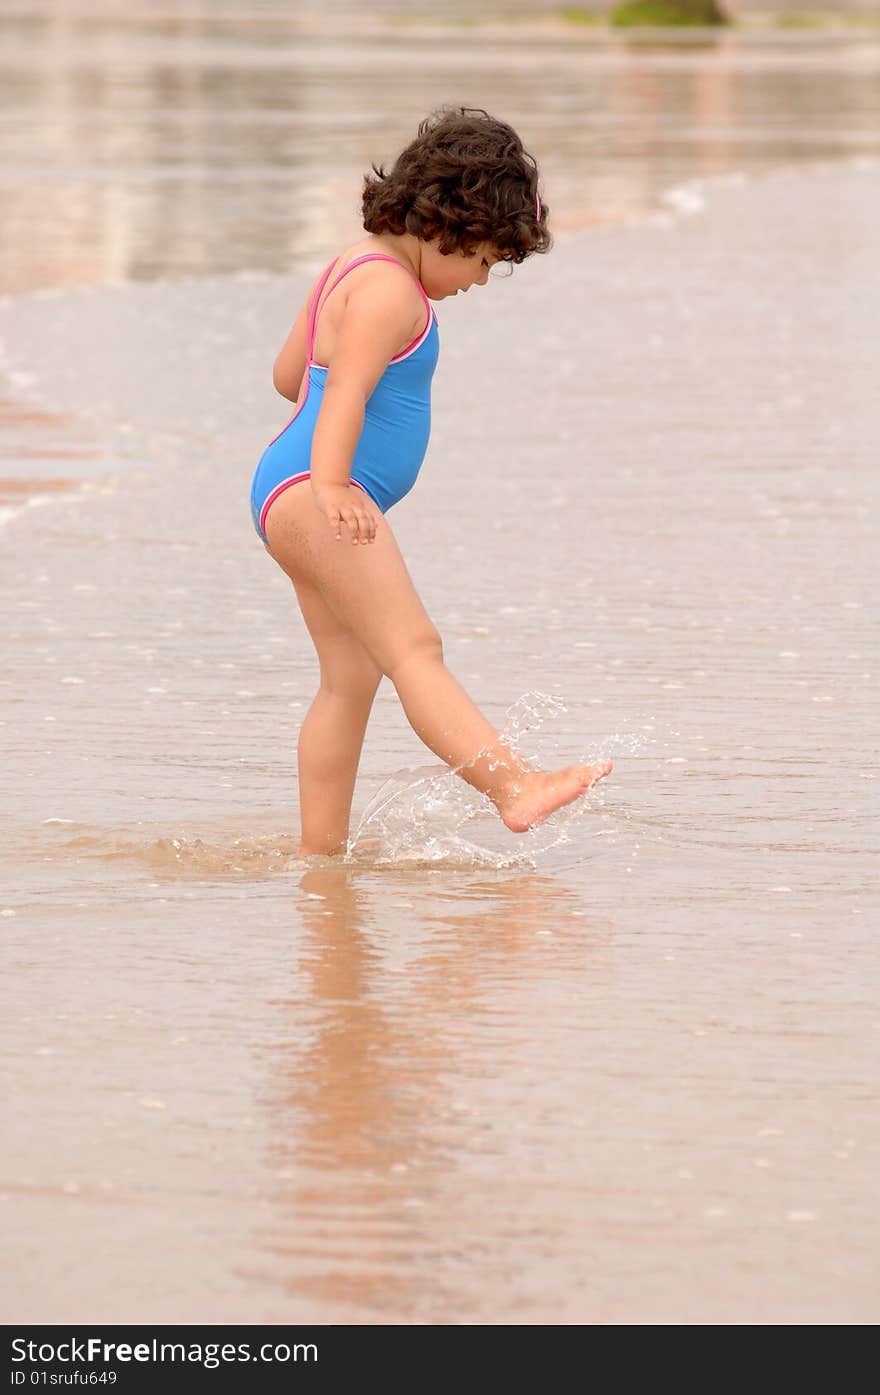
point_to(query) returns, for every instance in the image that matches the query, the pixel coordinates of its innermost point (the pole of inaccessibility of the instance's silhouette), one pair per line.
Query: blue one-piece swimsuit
(397, 419)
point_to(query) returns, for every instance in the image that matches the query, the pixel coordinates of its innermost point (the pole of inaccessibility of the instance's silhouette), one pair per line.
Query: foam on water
(248, 856)
(416, 820)
(422, 816)
(418, 816)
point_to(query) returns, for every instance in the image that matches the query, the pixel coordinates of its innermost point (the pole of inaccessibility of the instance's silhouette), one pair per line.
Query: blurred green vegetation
(650, 14)
(663, 13)
(581, 16)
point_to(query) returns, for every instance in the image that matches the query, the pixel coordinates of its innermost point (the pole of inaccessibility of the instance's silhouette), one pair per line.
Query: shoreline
(21, 491)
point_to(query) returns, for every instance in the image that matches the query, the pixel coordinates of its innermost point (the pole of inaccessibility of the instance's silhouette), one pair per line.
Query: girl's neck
(405, 247)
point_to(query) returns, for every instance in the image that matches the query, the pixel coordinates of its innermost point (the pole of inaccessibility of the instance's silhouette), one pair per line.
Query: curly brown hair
(465, 179)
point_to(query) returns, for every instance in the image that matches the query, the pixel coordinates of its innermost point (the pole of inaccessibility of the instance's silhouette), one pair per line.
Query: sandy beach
(622, 1069)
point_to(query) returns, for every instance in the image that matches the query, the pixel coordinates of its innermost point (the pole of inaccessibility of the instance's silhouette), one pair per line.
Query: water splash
(419, 814)
(529, 713)
(424, 816)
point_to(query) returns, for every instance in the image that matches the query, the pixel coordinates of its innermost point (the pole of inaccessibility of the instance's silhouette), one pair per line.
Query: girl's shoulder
(313, 336)
(409, 306)
(366, 246)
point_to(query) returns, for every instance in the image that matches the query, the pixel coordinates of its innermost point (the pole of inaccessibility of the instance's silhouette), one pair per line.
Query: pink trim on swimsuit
(313, 321)
(285, 484)
(316, 307)
(381, 257)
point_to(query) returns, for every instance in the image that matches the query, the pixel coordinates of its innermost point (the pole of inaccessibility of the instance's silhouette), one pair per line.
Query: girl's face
(444, 276)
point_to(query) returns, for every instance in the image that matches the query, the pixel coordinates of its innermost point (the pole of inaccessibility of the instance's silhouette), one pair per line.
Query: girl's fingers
(361, 526)
(345, 519)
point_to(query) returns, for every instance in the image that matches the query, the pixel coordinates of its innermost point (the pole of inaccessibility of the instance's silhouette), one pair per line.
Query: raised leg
(369, 590)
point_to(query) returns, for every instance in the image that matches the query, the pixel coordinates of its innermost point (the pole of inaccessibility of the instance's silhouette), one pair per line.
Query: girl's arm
(290, 365)
(382, 312)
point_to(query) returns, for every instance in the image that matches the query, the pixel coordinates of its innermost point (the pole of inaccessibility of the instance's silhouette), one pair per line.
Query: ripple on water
(246, 857)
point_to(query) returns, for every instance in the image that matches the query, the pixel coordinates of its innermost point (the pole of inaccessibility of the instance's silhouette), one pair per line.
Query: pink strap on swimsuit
(317, 307)
(397, 418)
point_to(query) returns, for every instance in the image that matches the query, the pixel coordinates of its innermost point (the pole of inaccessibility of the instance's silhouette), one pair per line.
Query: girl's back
(397, 417)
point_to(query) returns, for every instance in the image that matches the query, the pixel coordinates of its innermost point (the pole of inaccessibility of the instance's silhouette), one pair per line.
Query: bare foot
(542, 792)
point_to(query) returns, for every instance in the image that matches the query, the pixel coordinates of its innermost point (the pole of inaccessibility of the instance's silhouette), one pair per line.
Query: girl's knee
(426, 647)
(347, 671)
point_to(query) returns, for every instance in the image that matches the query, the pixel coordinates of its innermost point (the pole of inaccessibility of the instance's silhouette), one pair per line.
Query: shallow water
(139, 142)
(622, 1069)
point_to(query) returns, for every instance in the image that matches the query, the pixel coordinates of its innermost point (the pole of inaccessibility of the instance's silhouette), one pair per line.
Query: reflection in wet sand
(366, 1123)
(33, 442)
(13, 490)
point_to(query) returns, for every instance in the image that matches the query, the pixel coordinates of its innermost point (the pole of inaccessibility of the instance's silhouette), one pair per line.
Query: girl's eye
(485, 264)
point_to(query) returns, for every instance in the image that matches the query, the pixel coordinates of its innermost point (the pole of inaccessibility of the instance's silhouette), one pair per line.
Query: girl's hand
(347, 508)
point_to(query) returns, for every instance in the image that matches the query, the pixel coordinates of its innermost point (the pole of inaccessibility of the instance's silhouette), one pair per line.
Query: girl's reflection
(387, 1024)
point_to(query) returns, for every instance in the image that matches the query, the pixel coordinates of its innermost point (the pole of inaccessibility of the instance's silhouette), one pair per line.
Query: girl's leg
(332, 733)
(369, 590)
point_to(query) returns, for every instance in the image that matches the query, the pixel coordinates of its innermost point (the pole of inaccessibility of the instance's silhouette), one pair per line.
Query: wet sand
(635, 1080)
(44, 453)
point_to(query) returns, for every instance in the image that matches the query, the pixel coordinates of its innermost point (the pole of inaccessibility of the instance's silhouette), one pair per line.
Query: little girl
(358, 362)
